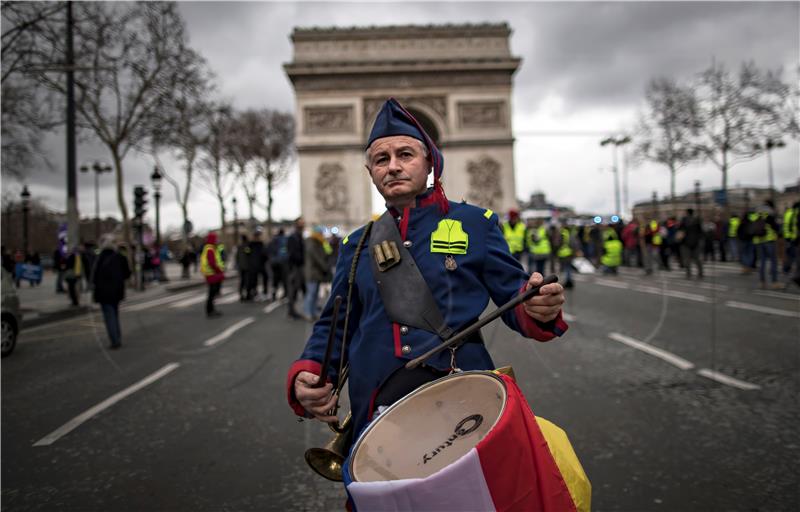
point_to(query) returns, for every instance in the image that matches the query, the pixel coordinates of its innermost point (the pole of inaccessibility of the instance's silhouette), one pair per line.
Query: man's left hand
(545, 305)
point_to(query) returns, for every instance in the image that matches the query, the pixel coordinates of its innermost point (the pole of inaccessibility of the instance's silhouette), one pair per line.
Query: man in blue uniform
(460, 251)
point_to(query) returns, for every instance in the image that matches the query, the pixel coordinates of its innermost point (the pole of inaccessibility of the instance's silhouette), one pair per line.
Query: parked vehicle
(11, 314)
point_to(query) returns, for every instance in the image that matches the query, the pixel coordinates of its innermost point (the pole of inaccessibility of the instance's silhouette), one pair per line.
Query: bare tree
(736, 112)
(129, 58)
(27, 112)
(217, 175)
(668, 127)
(185, 131)
(274, 152)
(245, 135)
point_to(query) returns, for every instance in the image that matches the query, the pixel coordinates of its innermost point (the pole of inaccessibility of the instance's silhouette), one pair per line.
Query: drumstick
(323, 374)
(522, 297)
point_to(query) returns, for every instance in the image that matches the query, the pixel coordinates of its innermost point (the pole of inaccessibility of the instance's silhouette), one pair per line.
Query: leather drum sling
(405, 294)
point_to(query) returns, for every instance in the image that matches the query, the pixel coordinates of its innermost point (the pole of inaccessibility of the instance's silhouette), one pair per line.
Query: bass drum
(430, 428)
(467, 441)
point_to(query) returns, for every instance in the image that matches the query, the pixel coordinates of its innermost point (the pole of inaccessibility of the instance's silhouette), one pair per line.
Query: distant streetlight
(156, 178)
(768, 146)
(235, 223)
(697, 197)
(617, 142)
(98, 169)
(26, 200)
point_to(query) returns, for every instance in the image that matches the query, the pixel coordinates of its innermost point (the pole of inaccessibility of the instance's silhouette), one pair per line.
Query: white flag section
(458, 487)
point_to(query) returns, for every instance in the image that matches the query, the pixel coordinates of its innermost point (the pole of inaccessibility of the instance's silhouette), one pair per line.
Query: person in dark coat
(296, 265)
(691, 233)
(108, 276)
(257, 259)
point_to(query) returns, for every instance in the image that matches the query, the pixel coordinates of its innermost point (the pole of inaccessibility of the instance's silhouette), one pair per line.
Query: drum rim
(372, 424)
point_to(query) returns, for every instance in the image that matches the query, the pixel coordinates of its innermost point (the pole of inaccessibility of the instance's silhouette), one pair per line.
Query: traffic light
(139, 201)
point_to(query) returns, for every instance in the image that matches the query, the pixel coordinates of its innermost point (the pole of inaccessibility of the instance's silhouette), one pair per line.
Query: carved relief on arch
(330, 190)
(335, 119)
(482, 114)
(484, 182)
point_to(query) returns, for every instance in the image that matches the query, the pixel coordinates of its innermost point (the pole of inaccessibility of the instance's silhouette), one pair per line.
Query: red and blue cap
(393, 119)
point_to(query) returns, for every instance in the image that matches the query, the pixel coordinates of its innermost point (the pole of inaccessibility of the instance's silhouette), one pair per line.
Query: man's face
(398, 168)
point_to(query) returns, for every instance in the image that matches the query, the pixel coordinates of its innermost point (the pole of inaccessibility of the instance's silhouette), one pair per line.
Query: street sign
(720, 197)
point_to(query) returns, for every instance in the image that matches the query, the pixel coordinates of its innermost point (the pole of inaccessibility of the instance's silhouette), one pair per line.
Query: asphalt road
(191, 415)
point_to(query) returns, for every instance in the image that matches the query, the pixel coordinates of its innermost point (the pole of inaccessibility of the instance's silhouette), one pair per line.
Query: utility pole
(73, 218)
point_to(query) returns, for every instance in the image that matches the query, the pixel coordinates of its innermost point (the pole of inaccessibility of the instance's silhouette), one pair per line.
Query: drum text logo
(464, 427)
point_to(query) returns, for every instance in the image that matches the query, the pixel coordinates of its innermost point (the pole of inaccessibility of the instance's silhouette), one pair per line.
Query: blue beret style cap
(393, 119)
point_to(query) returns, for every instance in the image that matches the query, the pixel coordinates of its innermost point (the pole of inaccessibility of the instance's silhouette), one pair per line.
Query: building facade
(456, 79)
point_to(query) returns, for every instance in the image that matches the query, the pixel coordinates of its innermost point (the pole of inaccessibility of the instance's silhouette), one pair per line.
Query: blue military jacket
(377, 347)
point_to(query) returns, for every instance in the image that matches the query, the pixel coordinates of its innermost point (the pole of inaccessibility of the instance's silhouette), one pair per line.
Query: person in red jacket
(213, 267)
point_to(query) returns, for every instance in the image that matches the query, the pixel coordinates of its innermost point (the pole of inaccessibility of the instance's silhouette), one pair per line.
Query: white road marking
(568, 317)
(269, 308)
(105, 404)
(224, 335)
(728, 381)
(762, 309)
(777, 295)
(156, 302)
(228, 299)
(612, 284)
(672, 359)
(198, 299)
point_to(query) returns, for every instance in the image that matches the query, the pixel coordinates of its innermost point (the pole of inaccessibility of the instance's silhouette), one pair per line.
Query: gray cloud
(595, 56)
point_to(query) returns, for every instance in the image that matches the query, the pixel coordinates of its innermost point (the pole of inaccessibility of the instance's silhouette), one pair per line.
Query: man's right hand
(317, 401)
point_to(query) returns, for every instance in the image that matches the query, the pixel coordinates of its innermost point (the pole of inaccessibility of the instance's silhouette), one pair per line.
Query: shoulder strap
(405, 294)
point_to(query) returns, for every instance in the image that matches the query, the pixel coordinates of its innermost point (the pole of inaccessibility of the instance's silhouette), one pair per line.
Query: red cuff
(302, 365)
(540, 331)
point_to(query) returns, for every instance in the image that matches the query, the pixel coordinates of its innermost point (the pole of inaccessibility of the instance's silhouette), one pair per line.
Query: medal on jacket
(450, 262)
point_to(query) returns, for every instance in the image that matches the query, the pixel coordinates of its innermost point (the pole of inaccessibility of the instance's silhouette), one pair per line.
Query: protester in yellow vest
(764, 229)
(612, 251)
(514, 233)
(564, 254)
(733, 237)
(538, 246)
(789, 228)
(212, 265)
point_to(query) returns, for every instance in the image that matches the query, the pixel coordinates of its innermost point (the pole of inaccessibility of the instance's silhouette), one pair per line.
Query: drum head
(430, 428)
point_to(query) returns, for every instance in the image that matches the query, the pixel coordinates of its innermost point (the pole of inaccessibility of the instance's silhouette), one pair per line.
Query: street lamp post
(98, 169)
(26, 199)
(697, 197)
(156, 178)
(769, 145)
(655, 205)
(617, 142)
(235, 223)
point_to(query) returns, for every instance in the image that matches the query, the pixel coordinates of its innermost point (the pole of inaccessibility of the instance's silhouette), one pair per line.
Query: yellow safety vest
(733, 226)
(656, 236)
(790, 223)
(771, 235)
(541, 247)
(449, 238)
(205, 267)
(612, 249)
(515, 236)
(565, 251)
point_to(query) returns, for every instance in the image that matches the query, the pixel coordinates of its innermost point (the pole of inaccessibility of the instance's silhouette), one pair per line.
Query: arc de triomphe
(456, 79)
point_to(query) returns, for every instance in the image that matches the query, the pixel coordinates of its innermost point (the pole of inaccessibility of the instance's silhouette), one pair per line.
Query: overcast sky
(583, 73)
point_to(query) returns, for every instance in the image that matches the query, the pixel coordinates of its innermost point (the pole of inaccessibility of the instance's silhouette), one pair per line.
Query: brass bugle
(328, 460)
